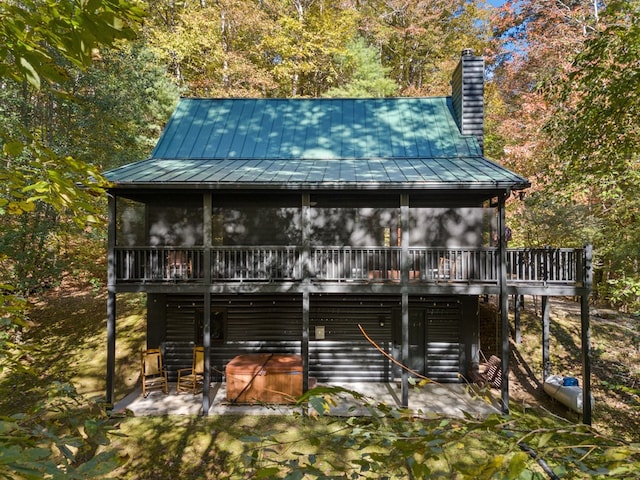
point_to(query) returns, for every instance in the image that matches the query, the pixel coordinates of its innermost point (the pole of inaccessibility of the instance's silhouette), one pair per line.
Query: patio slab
(451, 400)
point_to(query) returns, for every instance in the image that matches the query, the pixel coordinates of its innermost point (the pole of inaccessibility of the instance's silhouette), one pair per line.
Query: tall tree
(596, 137)
(570, 94)
(538, 42)
(212, 48)
(38, 38)
(307, 43)
(109, 116)
(362, 73)
(421, 40)
(34, 36)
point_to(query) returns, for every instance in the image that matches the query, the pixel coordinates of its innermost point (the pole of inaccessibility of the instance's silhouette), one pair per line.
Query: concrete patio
(450, 400)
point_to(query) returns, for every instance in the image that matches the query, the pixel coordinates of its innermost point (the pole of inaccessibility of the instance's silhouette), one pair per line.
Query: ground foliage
(59, 437)
(397, 443)
(388, 443)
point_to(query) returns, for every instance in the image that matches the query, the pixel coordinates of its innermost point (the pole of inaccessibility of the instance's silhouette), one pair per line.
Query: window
(218, 324)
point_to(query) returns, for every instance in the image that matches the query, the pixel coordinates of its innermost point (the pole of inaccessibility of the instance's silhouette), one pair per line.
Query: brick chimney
(467, 85)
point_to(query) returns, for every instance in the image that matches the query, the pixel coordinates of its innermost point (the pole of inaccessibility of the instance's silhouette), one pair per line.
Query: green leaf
(544, 439)
(13, 148)
(319, 405)
(38, 187)
(617, 454)
(32, 76)
(267, 472)
(517, 464)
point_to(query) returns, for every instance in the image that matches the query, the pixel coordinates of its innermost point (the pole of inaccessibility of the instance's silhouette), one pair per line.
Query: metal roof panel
(315, 141)
(460, 170)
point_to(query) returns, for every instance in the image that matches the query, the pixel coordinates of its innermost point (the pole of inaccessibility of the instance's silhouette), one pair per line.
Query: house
(295, 225)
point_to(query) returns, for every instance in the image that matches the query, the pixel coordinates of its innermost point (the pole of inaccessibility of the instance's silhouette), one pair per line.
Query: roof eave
(365, 186)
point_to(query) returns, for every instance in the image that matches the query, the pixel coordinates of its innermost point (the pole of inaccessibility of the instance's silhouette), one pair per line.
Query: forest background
(562, 103)
(86, 86)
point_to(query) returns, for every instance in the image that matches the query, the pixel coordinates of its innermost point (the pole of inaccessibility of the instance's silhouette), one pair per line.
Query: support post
(111, 346)
(207, 234)
(111, 301)
(207, 211)
(206, 340)
(504, 302)
(586, 335)
(405, 348)
(304, 345)
(404, 258)
(545, 337)
(306, 302)
(517, 306)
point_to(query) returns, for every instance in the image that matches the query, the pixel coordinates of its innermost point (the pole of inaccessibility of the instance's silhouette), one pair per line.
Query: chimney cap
(467, 52)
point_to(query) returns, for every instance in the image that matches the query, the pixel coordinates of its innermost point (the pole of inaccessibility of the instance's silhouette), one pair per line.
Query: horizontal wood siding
(468, 96)
(345, 354)
(254, 324)
(180, 331)
(443, 349)
(273, 324)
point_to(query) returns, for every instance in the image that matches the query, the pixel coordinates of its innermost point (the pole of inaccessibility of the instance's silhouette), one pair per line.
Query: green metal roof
(399, 142)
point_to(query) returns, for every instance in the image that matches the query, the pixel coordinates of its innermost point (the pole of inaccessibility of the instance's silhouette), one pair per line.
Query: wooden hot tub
(264, 378)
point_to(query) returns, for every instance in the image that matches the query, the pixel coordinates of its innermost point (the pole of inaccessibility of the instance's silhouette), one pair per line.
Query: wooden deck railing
(140, 264)
(364, 264)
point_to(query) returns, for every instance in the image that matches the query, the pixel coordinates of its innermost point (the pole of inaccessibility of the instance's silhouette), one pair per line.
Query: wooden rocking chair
(152, 375)
(189, 378)
(492, 374)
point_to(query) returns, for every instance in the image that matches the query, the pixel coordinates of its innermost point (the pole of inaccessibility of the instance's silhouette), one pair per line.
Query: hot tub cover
(264, 364)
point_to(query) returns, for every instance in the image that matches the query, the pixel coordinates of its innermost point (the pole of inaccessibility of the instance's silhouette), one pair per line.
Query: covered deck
(402, 270)
(555, 268)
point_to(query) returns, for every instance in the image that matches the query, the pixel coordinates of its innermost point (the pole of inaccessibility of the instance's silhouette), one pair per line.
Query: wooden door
(434, 341)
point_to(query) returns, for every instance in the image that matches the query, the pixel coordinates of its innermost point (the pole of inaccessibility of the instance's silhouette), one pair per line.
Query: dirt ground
(615, 363)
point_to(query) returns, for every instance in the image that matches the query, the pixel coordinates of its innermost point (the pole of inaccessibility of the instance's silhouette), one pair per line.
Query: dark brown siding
(443, 346)
(261, 323)
(252, 324)
(344, 354)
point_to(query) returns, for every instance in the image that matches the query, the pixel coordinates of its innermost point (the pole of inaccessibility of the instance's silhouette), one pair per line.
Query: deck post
(586, 335)
(111, 301)
(504, 301)
(545, 337)
(306, 302)
(111, 346)
(207, 234)
(304, 344)
(517, 307)
(404, 218)
(206, 340)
